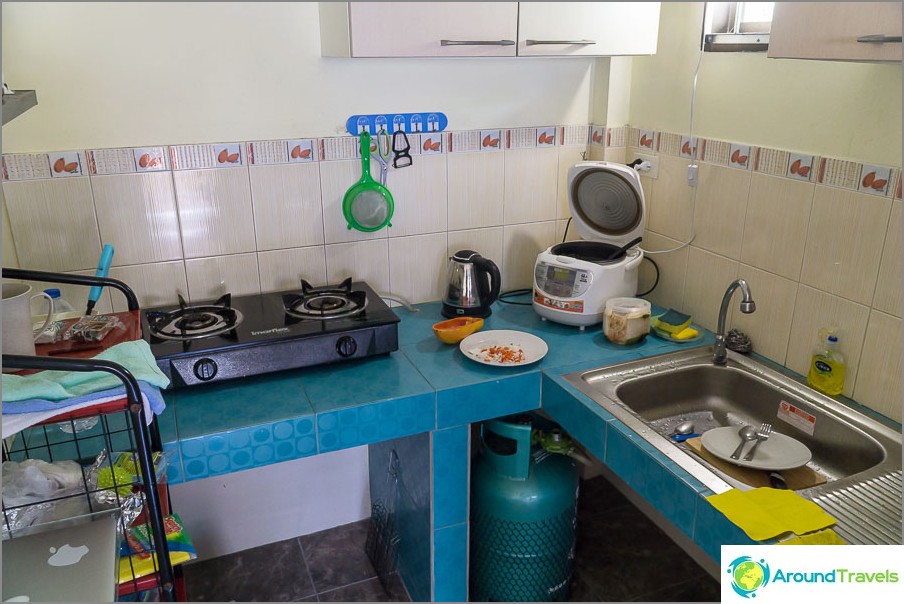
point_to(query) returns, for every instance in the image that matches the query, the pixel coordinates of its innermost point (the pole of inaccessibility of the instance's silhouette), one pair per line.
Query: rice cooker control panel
(561, 281)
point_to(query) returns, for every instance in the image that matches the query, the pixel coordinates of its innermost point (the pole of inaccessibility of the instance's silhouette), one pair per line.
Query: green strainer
(367, 205)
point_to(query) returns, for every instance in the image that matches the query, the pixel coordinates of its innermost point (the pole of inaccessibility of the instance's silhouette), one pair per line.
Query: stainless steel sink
(859, 455)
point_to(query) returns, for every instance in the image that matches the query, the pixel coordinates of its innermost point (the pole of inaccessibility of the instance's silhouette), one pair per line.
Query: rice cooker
(573, 280)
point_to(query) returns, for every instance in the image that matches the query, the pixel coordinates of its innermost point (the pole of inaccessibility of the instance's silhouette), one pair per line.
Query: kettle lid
(465, 255)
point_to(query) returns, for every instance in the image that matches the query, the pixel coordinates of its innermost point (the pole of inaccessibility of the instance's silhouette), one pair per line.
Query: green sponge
(672, 321)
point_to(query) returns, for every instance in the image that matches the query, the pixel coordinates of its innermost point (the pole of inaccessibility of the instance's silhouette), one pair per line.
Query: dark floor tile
(395, 588)
(597, 496)
(270, 573)
(337, 557)
(699, 589)
(364, 591)
(580, 590)
(622, 555)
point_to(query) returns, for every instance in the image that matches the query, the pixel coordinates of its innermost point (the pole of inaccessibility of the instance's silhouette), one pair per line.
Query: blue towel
(32, 405)
(61, 387)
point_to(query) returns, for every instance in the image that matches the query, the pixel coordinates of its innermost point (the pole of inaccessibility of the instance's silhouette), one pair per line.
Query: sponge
(672, 321)
(686, 334)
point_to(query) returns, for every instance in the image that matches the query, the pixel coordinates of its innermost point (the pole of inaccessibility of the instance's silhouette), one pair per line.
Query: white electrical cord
(691, 169)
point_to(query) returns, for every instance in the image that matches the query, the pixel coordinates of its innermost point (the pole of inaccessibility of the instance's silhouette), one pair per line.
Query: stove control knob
(346, 346)
(205, 369)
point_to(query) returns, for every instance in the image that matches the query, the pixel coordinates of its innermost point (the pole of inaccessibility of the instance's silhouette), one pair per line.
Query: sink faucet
(747, 307)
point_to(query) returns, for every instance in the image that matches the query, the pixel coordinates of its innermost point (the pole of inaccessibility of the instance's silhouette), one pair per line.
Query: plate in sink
(779, 452)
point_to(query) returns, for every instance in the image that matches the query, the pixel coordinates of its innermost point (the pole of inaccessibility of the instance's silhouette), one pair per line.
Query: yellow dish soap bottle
(827, 366)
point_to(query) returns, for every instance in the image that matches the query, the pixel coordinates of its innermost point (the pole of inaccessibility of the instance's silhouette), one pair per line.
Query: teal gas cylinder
(523, 516)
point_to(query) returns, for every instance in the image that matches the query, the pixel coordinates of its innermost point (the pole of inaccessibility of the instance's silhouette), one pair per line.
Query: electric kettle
(472, 285)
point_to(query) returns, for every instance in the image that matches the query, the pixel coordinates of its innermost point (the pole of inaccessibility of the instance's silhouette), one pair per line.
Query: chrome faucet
(747, 307)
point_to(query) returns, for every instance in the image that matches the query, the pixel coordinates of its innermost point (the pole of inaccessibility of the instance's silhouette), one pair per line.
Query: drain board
(868, 512)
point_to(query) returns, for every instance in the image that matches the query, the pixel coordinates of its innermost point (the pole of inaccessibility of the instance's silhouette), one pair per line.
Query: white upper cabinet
(840, 31)
(587, 28)
(418, 29)
(487, 29)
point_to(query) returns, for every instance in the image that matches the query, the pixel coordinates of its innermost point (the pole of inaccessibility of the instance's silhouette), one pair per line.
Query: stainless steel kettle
(472, 285)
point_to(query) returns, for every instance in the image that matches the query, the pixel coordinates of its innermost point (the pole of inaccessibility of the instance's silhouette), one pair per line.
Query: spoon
(684, 428)
(618, 253)
(747, 434)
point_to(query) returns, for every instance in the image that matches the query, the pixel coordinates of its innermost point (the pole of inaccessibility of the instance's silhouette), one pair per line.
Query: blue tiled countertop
(428, 386)
(425, 385)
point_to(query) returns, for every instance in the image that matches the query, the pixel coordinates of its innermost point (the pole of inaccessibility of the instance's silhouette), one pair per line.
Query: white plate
(528, 346)
(779, 452)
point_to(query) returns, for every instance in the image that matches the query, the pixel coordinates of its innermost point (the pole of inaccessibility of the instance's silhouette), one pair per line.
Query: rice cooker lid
(606, 202)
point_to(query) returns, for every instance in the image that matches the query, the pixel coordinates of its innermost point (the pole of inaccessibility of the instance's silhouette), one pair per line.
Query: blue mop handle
(103, 268)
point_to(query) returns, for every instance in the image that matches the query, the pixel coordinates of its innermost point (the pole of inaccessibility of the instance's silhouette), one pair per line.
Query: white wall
(243, 510)
(829, 108)
(156, 73)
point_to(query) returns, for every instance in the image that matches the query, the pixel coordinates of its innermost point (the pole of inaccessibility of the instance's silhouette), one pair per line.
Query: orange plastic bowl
(455, 330)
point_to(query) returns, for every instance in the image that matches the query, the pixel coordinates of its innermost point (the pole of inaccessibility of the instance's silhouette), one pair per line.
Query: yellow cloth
(764, 513)
(823, 537)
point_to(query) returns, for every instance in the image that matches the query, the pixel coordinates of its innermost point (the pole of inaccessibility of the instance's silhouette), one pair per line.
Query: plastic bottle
(827, 366)
(60, 305)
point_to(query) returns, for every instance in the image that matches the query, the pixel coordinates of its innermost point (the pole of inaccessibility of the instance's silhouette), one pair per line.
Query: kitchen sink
(858, 454)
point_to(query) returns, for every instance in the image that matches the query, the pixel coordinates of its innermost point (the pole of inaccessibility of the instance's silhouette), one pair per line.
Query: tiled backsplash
(819, 239)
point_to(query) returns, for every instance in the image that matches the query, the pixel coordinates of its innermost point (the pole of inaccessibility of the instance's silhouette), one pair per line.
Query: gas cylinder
(523, 516)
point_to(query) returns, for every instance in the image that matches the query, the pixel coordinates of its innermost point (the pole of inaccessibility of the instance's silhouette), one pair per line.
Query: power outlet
(653, 160)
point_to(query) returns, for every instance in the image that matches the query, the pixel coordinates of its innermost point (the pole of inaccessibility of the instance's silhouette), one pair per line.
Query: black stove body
(244, 336)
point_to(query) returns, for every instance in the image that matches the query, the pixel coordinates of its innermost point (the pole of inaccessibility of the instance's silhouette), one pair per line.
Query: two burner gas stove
(243, 336)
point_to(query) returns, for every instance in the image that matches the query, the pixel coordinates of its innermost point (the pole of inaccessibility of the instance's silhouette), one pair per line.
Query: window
(737, 26)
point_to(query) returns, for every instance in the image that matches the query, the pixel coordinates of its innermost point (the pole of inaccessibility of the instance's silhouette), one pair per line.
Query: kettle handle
(488, 266)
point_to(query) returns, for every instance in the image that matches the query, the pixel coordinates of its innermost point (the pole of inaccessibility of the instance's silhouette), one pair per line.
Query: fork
(761, 435)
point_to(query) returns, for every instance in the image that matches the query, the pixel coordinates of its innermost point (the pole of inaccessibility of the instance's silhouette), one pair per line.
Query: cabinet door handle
(540, 42)
(879, 39)
(477, 42)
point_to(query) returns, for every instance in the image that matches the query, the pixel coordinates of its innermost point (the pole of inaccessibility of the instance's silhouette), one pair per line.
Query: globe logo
(748, 575)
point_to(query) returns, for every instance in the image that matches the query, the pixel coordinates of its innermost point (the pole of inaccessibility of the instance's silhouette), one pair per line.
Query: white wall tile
(815, 309)
(769, 325)
(486, 242)
(336, 177)
(417, 267)
(283, 270)
(889, 287)
(210, 278)
(878, 381)
(669, 292)
(708, 277)
(362, 261)
(844, 243)
(137, 214)
(778, 212)
(53, 224)
(9, 248)
(215, 211)
(287, 208)
(522, 243)
(476, 189)
(420, 195)
(720, 208)
(155, 285)
(669, 200)
(531, 179)
(565, 231)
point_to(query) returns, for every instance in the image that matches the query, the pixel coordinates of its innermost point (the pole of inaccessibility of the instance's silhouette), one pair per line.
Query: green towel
(135, 356)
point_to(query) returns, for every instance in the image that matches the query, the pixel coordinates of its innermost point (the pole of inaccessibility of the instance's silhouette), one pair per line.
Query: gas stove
(240, 336)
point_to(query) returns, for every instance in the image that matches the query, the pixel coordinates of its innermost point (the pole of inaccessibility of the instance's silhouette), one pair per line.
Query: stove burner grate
(194, 322)
(325, 303)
